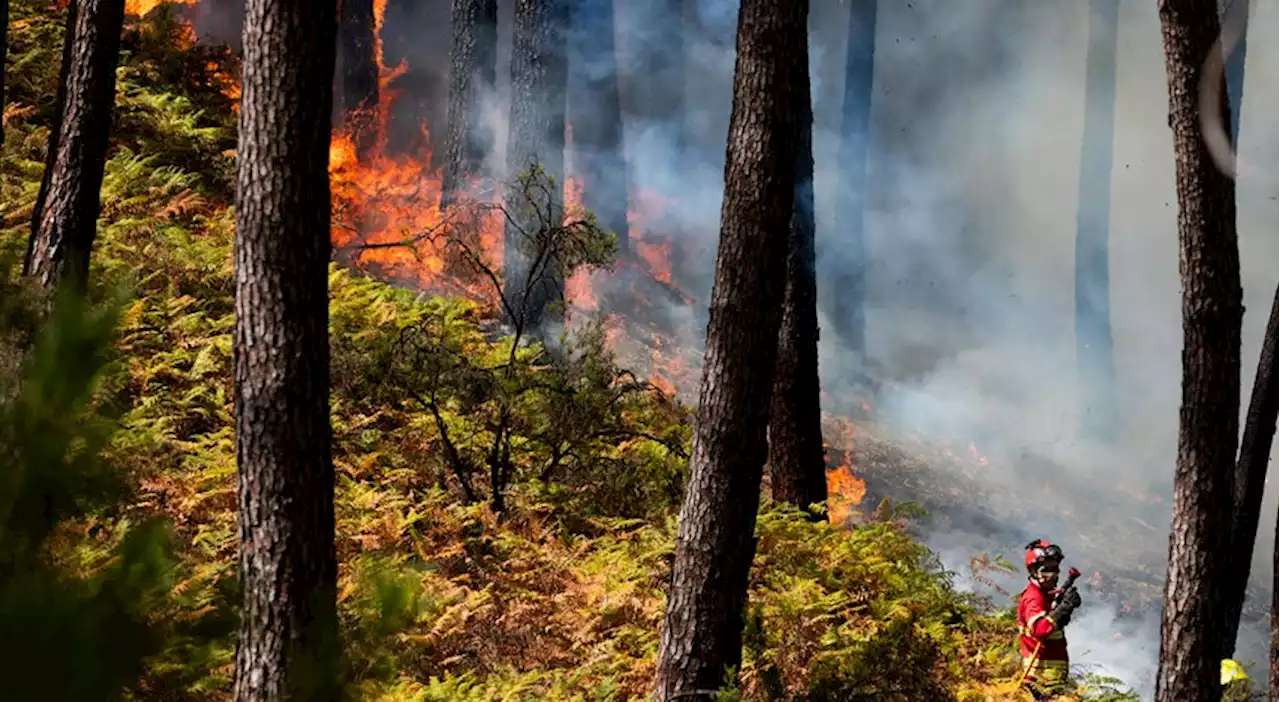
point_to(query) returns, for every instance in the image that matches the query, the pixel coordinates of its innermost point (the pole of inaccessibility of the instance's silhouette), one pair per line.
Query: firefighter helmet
(1040, 553)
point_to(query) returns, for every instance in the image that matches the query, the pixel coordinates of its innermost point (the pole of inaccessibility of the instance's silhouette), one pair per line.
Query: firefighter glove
(1061, 614)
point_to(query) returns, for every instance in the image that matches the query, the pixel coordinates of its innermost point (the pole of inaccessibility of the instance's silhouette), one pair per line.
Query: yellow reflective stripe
(1042, 664)
(1026, 629)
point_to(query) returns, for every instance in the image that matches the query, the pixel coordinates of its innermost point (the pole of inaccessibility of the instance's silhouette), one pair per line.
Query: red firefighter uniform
(1036, 627)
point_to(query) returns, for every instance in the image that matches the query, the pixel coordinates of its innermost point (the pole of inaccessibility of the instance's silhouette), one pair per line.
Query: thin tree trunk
(539, 76)
(1274, 677)
(55, 130)
(1094, 352)
(797, 469)
(1236, 9)
(287, 647)
(847, 299)
(657, 86)
(715, 544)
(1250, 482)
(68, 220)
(358, 37)
(473, 65)
(4, 55)
(1209, 416)
(596, 115)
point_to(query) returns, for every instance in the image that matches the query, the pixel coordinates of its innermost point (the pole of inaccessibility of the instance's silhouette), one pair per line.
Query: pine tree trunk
(287, 645)
(797, 468)
(55, 129)
(357, 36)
(68, 220)
(539, 76)
(657, 86)
(473, 66)
(4, 55)
(847, 297)
(1250, 482)
(595, 112)
(1094, 354)
(1209, 262)
(701, 637)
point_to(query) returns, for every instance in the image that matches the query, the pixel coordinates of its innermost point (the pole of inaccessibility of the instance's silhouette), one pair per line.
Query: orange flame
(139, 8)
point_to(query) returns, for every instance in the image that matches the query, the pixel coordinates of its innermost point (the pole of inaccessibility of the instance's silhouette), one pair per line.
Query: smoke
(977, 113)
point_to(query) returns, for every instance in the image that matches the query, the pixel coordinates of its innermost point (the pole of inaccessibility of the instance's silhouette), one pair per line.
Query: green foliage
(78, 580)
(435, 412)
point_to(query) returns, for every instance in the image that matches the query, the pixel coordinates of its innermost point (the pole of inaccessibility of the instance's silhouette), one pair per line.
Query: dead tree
(1209, 417)
(797, 469)
(65, 221)
(1250, 483)
(287, 647)
(715, 544)
(473, 65)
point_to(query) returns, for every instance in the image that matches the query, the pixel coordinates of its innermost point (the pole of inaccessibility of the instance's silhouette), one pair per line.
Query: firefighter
(1043, 613)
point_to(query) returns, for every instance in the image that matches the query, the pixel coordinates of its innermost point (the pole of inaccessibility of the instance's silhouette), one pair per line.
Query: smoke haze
(976, 120)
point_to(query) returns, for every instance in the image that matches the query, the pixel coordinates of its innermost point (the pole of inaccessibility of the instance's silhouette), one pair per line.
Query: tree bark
(4, 55)
(797, 467)
(847, 300)
(473, 65)
(1209, 262)
(1274, 677)
(357, 34)
(55, 130)
(287, 647)
(539, 77)
(595, 112)
(68, 218)
(1250, 483)
(1094, 349)
(701, 637)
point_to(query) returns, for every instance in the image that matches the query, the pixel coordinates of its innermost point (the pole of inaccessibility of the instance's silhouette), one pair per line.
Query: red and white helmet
(1041, 553)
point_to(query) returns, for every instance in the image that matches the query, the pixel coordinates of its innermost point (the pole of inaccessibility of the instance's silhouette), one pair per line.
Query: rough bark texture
(1094, 349)
(358, 39)
(55, 128)
(473, 64)
(539, 76)
(68, 218)
(596, 115)
(1209, 262)
(1274, 677)
(797, 469)
(847, 296)
(715, 544)
(1250, 483)
(288, 632)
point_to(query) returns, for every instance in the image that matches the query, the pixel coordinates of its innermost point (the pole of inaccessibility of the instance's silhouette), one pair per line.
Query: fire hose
(1035, 654)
